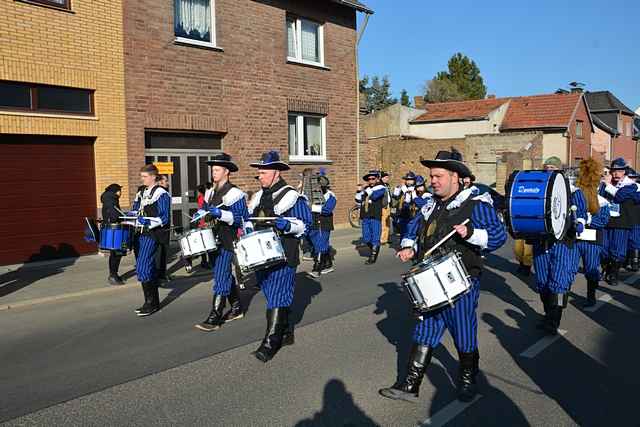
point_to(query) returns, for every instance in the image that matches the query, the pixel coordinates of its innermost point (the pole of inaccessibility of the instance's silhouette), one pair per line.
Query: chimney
(577, 90)
(492, 96)
(418, 101)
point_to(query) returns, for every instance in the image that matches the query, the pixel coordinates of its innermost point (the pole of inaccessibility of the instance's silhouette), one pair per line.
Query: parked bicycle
(354, 216)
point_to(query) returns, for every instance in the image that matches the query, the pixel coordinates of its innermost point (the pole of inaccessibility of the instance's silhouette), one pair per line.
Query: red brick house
(243, 76)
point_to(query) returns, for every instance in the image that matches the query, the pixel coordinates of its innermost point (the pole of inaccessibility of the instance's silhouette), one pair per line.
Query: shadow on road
(306, 289)
(338, 409)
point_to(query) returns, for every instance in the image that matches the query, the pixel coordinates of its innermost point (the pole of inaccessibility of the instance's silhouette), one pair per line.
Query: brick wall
(244, 91)
(580, 145)
(83, 49)
(623, 145)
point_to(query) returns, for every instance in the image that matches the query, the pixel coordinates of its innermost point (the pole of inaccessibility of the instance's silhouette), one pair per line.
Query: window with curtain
(579, 128)
(307, 137)
(305, 41)
(194, 21)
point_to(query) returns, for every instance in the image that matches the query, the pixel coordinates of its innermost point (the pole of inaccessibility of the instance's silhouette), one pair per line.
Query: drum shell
(197, 242)
(116, 237)
(259, 250)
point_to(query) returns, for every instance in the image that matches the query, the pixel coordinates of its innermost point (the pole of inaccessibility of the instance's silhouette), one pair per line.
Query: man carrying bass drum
(446, 212)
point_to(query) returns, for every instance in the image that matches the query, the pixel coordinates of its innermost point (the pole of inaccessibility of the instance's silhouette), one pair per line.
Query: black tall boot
(326, 264)
(147, 299)
(635, 260)
(467, 376)
(374, 255)
(216, 316)
(409, 389)
(154, 300)
(544, 297)
(317, 261)
(236, 311)
(277, 325)
(557, 302)
(614, 273)
(592, 285)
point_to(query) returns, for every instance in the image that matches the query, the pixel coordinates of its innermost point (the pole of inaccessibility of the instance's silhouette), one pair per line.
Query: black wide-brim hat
(371, 173)
(410, 175)
(224, 160)
(270, 160)
(450, 160)
(619, 164)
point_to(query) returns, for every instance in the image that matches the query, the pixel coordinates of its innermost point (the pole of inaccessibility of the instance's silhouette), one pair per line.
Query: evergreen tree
(462, 81)
(404, 98)
(377, 93)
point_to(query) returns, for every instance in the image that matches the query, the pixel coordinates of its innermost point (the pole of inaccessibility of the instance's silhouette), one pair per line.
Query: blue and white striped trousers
(590, 254)
(146, 261)
(615, 244)
(320, 241)
(460, 320)
(371, 231)
(222, 268)
(634, 238)
(277, 284)
(556, 267)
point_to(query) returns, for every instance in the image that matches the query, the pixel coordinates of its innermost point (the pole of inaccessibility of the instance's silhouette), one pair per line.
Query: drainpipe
(359, 37)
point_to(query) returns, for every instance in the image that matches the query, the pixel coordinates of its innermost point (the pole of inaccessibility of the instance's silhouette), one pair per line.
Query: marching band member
(135, 207)
(371, 201)
(420, 195)
(386, 210)
(321, 228)
(589, 243)
(556, 262)
(445, 212)
(164, 236)
(227, 206)
(618, 189)
(633, 259)
(111, 215)
(403, 195)
(154, 213)
(277, 199)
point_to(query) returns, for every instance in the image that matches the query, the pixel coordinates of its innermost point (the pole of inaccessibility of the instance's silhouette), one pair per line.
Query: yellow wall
(554, 144)
(82, 49)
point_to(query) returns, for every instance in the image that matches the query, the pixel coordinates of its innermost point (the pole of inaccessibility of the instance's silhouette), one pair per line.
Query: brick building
(242, 76)
(62, 122)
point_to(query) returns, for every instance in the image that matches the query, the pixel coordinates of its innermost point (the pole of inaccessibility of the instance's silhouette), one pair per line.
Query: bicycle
(354, 216)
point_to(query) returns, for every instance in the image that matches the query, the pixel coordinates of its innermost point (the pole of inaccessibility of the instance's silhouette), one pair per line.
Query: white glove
(316, 208)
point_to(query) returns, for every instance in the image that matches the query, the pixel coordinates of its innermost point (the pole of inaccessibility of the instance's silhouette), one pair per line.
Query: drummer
(227, 206)
(111, 215)
(293, 218)
(154, 213)
(556, 262)
(445, 212)
(320, 233)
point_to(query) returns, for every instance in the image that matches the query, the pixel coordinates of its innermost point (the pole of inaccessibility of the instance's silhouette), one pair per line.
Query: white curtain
(293, 136)
(313, 131)
(310, 41)
(193, 19)
(292, 38)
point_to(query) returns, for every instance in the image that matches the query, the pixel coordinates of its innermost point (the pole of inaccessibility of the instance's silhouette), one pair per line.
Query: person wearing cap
(320, 233)
(293, 219)
(446, 211)
(386, 209)
(371, 201)
(228, 208)
(111, 214)
(621, 192)
(153, 214)
(403, 195)
(556, 262)
(633, 250)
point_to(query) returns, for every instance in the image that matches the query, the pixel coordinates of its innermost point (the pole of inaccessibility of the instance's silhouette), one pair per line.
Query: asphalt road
(91, 361)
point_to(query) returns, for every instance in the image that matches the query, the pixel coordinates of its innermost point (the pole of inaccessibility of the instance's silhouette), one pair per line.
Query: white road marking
(545, 342)
(449, 412)
(604, 298)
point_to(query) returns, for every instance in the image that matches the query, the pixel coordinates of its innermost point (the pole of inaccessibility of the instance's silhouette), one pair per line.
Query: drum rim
(422, 265)
(115, 226)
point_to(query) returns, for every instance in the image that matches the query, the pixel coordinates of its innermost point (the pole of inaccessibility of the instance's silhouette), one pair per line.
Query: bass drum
(538, 205)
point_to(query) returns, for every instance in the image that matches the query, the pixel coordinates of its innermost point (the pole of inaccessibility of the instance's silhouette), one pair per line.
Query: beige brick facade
(81, 48)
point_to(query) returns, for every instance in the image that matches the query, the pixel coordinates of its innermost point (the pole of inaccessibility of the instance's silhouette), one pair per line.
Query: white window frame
(185, 40)
(300, 138)
(298, 32)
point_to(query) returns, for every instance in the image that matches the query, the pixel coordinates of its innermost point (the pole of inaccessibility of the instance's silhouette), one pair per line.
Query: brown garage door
(48, 187)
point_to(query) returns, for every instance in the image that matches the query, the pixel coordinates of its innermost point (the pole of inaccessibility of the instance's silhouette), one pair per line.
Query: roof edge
(355, 5)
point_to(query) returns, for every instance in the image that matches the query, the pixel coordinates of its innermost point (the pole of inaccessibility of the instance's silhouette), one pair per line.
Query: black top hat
(450, 160)
(224, 160)
(270, 160)
(619, 164)
(374, 173)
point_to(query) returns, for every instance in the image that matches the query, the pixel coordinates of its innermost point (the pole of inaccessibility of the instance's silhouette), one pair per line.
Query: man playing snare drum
(293, 220)
(227, 205)
(445, 212)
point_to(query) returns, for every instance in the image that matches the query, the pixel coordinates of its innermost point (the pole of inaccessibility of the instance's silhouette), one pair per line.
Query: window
(46, 99)
(307, 137)
(579, 128)
(627, 129)
(63, 4)
(305, 41)
(194, 22)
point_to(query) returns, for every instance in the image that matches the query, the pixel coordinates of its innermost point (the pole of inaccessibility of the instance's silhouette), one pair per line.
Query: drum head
(558, 200)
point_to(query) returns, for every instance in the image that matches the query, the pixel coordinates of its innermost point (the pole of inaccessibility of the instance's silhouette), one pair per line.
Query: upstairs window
(45, 99)
(305, 41)
(307, 137)
(579, 125)
(194, 22)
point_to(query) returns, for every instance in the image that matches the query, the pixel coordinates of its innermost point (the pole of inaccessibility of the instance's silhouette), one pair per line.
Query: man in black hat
(227, 206)
(403, 196)
(445, 212)
(293, 219)
(371, 200)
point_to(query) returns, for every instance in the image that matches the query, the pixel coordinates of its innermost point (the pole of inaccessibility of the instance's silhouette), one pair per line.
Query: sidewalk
(29, 284)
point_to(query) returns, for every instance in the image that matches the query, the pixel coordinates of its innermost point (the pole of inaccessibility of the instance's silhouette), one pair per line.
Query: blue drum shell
(527, 203)
(115, 237)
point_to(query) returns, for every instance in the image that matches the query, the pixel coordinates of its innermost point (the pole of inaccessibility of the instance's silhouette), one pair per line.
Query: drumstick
(198, 219)
(444, 239)
(269, 218)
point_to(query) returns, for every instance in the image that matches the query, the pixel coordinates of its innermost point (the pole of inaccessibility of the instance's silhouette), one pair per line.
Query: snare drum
(259, 250)
(197, 242)
(436, 282)
(116, 237)
(537, 204)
